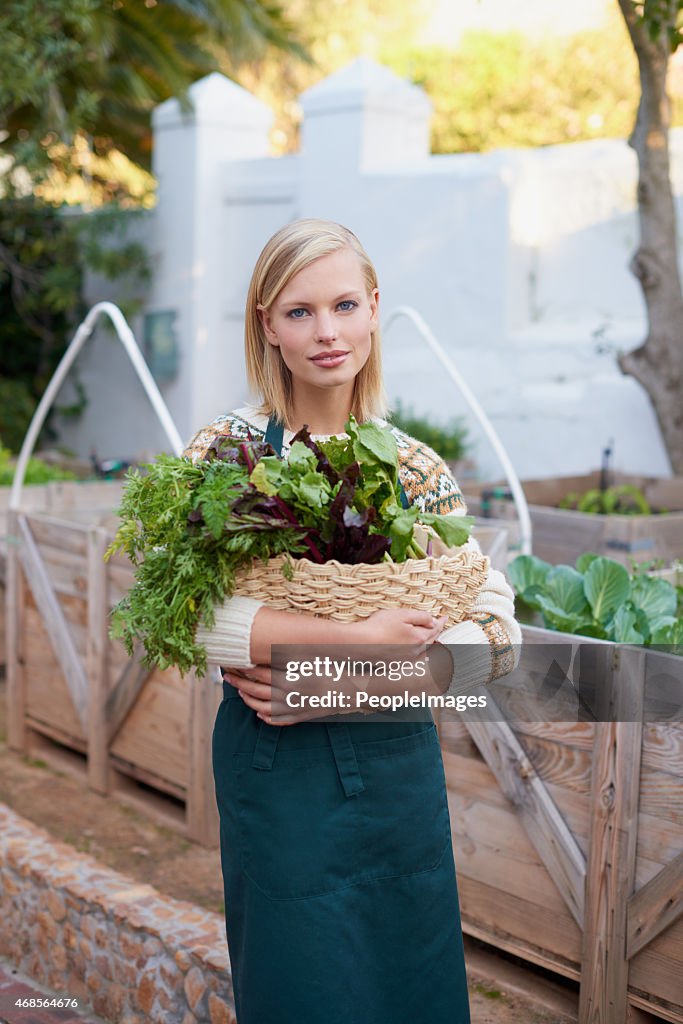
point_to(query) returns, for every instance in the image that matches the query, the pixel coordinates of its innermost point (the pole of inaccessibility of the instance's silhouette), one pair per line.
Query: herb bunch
(189, 527)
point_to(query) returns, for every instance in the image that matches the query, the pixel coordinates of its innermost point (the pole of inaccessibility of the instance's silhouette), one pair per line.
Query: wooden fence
(73, 691)
(569, 839)
(561, 535)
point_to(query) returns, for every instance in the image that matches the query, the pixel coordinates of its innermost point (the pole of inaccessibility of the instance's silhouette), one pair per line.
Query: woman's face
(322, 321)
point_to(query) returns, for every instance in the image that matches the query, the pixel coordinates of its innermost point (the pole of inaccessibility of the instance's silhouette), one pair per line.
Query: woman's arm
(245, 631)
(487, 644)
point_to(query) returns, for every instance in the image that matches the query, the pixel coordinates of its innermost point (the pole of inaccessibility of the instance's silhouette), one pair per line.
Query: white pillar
(360, 119)
(191, 151)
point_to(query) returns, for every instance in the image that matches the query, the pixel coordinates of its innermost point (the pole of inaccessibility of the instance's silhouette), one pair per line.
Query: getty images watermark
(343, 695)
(573, 680)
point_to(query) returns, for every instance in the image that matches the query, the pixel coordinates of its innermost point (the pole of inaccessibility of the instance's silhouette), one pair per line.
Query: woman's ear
(267, 323)
(373, 299)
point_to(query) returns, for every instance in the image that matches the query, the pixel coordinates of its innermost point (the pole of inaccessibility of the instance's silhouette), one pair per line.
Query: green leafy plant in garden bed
(600, 598)
(448, 440)
(37, 471)
(623, 500)
(189, 527)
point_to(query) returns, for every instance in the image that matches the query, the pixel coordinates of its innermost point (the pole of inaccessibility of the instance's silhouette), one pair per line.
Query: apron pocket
(301, 837)
(404, 822)
(297, 830)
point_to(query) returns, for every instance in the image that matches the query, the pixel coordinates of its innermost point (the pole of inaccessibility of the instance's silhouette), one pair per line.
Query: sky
(451, 18)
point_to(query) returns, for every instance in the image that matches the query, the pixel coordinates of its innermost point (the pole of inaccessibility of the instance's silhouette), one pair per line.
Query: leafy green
(189, 527)
(599, 598)
(622, 500)
(607, 586)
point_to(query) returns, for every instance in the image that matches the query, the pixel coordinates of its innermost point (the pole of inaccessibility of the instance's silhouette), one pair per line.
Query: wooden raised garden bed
(561, 535)
(74, 696)
(568, 833)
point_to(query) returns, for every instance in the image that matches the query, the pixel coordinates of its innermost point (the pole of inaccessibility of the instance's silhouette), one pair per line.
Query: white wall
(517, 260)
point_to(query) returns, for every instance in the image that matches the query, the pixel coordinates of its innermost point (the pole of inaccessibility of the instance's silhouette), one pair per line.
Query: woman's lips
(329, 358)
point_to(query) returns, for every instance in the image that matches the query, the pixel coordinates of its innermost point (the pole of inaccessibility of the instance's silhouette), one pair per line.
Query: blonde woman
(340, 889)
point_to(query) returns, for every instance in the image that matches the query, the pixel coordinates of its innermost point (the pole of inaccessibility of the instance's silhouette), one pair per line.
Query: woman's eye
(347, 304)
(297, 314)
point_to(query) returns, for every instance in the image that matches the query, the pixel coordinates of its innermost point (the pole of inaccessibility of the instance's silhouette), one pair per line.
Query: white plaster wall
(518, 260)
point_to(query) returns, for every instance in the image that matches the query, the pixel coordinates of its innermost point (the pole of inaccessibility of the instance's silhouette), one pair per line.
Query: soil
(128, 841)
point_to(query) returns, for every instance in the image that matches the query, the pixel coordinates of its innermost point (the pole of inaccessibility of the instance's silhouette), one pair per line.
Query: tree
(96, 68)
(657, 364)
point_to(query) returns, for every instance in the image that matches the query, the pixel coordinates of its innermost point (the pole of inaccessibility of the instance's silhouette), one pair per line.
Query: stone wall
(117, 946)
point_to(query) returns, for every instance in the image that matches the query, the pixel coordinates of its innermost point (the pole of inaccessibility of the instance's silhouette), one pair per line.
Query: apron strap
(345, 758)
(266, 745)
(275, 432)
(342, 751)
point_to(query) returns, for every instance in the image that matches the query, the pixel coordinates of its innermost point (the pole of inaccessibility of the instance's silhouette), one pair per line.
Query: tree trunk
(658, 363)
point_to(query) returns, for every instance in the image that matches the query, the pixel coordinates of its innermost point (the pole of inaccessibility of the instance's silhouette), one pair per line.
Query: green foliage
(37, 471)
(43, 258)
(189, 527)
(662, 17)
(501, 90)
(98, 67)
(17, 405)
(622, 500)
(600, 598)
(449, 441)
(491, 90)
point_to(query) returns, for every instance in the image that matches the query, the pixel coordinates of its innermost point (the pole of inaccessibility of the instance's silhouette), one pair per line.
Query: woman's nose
(326, 327)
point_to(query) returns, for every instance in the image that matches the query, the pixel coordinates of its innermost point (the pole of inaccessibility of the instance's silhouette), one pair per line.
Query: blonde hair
(290, 250)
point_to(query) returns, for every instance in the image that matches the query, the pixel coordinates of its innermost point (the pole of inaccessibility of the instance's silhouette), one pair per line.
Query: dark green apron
(340, 890)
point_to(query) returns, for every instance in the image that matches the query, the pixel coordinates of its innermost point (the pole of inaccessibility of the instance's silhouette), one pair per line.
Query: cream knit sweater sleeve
(228, 641)
(487, 644)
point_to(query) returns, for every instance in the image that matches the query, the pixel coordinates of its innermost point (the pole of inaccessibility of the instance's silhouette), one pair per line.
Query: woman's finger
(259, 691)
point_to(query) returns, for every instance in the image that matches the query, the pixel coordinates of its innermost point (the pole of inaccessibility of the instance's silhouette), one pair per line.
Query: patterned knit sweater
(431, 487)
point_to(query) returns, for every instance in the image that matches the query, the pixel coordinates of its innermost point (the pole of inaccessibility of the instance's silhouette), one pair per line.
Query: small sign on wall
(161, 344)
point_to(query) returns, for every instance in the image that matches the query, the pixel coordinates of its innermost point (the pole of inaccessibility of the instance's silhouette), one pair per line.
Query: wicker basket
(446, 585)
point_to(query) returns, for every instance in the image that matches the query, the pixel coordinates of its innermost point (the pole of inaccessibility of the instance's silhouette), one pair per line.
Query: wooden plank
(521, 784)
(158, 782)
(661, 795)
(55, 623)
(654, 907)
(14, 618)
(202, 813)
(47, 693)
(500, 913)
(474, 778)
(155, 734)
(532, 954)
(561, 764)
(57, 533)
(64, 739)
(657, 970)
(663, 748)
(654, 1012)
(482, 835)
(658, 839)
(610, 876)
(98, 740)
(63, 496)
(67, 572)
(125, 692)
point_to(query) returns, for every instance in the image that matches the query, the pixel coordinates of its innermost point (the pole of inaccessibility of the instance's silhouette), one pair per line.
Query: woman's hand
(398, 627)
(387, 634)
(254, 686)
(258, 689)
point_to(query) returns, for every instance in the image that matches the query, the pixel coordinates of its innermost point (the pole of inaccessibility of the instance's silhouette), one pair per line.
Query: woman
(340, 890)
